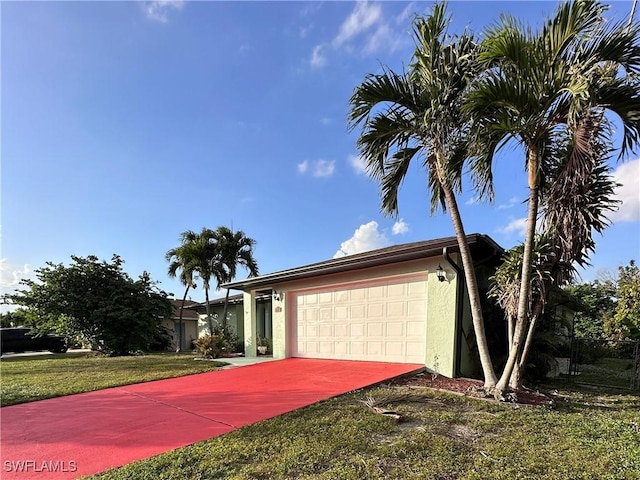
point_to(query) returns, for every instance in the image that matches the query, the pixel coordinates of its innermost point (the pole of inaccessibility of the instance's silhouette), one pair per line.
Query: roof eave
(370, 259)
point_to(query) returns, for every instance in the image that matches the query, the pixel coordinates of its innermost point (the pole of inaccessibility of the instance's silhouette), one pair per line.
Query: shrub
(230, 338)
(211, 346)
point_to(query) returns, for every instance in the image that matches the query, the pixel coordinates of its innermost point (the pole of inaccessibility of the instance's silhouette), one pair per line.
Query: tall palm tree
(538, 83)
(179, 260)
(417, 115)
(233, 249)
(195, 253)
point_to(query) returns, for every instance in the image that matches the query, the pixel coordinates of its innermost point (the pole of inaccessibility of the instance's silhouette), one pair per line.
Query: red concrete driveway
(83, 434)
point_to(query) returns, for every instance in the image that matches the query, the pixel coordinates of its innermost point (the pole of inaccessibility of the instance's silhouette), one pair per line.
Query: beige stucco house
(189, 324)
(405, 303)
(235, 315)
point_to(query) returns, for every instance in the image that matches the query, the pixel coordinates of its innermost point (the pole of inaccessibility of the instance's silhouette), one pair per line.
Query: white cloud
(472, 201)
(406, 14)
(158, 10)
(318, 58)
(628, 175)
(11, 275)
(358, 164)
(382, 38)
(326, 121)
(318, 168)
(517, 225)
(365, 24)
(366, 237)
(324, 168)
(303, 167)
(511, 203)
(364, 16)
(400, 227)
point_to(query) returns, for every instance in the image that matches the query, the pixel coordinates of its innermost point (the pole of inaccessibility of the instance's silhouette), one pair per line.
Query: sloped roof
(233, 300)
(187, 314)
(482, 247)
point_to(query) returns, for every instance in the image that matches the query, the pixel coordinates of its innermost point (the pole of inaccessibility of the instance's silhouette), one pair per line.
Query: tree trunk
(224, 314)
(184, 299)
(525, 279)
(510, 327)
(516, 376)
(206, 296)
(472, 288)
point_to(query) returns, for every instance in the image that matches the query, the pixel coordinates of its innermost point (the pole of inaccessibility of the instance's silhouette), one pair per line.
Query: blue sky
(127, 123)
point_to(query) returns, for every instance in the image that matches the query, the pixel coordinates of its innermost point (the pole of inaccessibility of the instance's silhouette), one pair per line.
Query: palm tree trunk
(510, 327)
(525, 278)
(472, 288)
(224, 314)
(515, 381)
(184, 299)
(206, 297)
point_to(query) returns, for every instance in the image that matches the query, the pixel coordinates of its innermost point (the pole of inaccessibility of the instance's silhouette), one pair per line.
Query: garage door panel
(375, 310)
(397, 290)
(341, 347)
(325, 330)
(374, 293)
(341, 297)
(395, 309)
(357, 348)
(357, 330)
(384, 322)
(341, 330)
(395, 329)
(414, 349)
(341, 313)
(395, 349)
(357, 294)
(375, 329)
(325, 298)
(375, 349)
(415, 328)
(416, 307)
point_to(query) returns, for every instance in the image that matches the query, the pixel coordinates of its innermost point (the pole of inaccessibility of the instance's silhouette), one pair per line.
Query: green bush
(233, 342)
(211, 346)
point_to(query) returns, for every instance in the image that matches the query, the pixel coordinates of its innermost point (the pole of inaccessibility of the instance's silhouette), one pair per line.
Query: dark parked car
(19, 339)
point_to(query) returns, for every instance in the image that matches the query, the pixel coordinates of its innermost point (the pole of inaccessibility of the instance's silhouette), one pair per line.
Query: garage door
(381, 321)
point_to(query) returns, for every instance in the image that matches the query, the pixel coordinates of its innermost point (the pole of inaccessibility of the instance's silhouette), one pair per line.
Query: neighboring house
(235, 315)
(405, 303)
(189, 324)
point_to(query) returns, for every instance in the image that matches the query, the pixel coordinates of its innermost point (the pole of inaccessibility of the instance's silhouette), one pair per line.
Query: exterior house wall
(190, 331)
(441, 322)
(235, 319)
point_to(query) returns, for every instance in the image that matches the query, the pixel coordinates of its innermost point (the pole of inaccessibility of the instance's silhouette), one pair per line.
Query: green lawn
(25, 379)
(587, 436)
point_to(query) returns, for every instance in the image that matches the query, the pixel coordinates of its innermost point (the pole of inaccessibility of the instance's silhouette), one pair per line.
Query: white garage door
(383, 321)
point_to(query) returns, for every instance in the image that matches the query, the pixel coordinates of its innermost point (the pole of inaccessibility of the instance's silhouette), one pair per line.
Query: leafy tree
(597, 305)
(233, 249)
(194, 257)
(416, 116)
(18, 318)
(212, 255)
(98, 301)
(576, 197)
(181, 260)
(539, 83)
(626, 321)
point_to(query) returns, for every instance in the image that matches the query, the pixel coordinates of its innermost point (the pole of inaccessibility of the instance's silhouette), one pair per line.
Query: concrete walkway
(84, 434)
